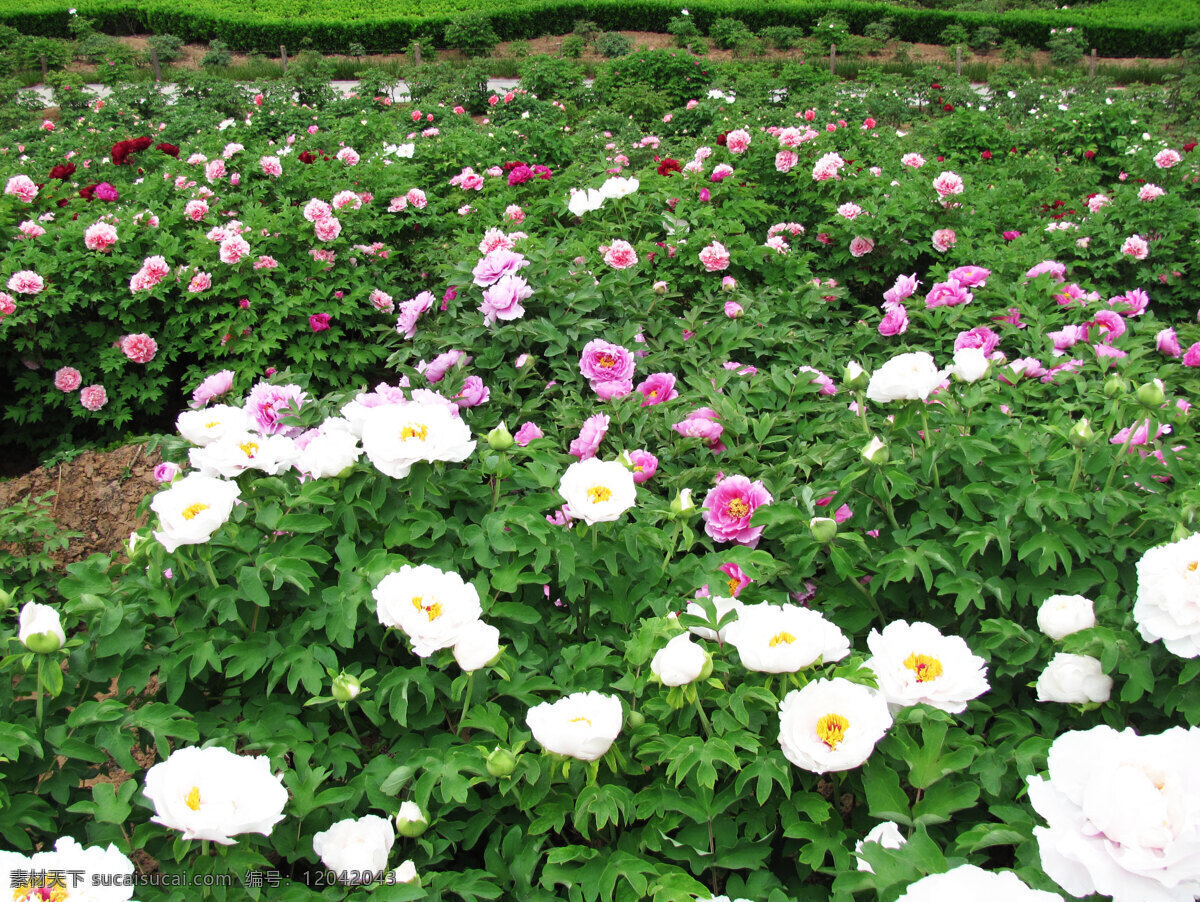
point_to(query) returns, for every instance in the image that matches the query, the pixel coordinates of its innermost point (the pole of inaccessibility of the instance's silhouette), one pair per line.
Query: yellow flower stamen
(213, 423)
(734, 585)
(1192, 566)
(580, 719)
(607, 361)
(831, 729)
(782, 639)
(249, 448)
(738, 508)
(193, 799)
(432, 611)
(192, 510)
(421, 432)
(598, 493)
(925, 667)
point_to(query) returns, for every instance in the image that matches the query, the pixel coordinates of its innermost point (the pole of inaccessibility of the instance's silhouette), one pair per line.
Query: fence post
(416, 53)
(1092, 65)
(154, 64)
(958, 60)
(283, 56)
(833, 59)
(45, 70)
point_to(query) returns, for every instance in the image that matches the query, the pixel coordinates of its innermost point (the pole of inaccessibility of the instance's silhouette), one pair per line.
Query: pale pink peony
(860, 247)
(704, 424)
(100, 236)
(828, 167)
(201, 281)
(527, 433)
(590, 436)
(344, 199)
(944, 239)
(23, 187)
(1136, 246)
(212, 387)
(348, 156)
(327, 229)
(620, 255)
(214, 170)
(140, 348)
(905, 287)
(785, 160)
(948, 183)
(849, 211)
(502, 301)
(30, 229)
(26, 282)
(1167, 343)
(714, 257)
(728, 507)
(233, 249)
(1057, 271)
(1167, 158)
(416, 198)
(271, 166)
(1150, 192)
(912, 160)
(8, 305)
(737, 141)
(67, 379)
(382, 301)
(316, 210)
(93, 397)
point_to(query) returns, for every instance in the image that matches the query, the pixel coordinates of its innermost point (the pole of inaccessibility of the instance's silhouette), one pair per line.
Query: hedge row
(1112, 30)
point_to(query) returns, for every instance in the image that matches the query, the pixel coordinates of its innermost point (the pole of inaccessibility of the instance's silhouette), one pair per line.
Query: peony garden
(785, 490)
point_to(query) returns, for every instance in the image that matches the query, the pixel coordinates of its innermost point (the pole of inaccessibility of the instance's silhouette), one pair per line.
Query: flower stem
(703, 717)
(862, 412)
(929, 444)
(40, 662)
(1112, 471)
(212, 576)
(1078, 469)
(350, 724)
(470, 690)
(871, 598)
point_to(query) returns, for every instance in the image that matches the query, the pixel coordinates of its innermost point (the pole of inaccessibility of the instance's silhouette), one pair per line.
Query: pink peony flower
(657, 388)
(828, 167)
(271, 166)
(860, 247)
(319, 322)
(728, 507)
(821, 379)
(327, 229)
(382, 301)
(980, 337)
(100, 236)
(944, 239)
(436, 369)
(68, 379)
(30, 229)
(8, 305)
(606, 391)
(1133, 303)
(1136, 246)
(498, 263)
(1057, 271)
(233, 249)
(139, 348)
(527, 433)
(948, 294)
(1150, 192)
(1141, 434)
(22, 187)
(590, 436)
(734, 310)
(1110, 324)
(214, 170)
(645, 465)
(316, 210)
(1167, 158)
(166, 471)
(912, 160)
(26, 282)
(1167, 343)
(93, 397)
(1010, 235)
(513, 213)
(620, 255)
(702, 423)
(502, 301)
(266, 262)
(212, 387)
(410, 312)
(895, 320)
(785, 160)
(348, 156)
(970, 276)
(948, 183)
(604, 362)
(905, 287)
(201, 281)
(714, 257)
(1192, 356)
(737, 141)
(267, 404)
(473, 393)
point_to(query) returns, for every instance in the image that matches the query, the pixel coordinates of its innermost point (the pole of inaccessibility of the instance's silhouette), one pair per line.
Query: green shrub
(613, 44)
(882, 30)
(472, 33)
(684, 30)
(647, 107)
(782, 37)
(519, 49)
(586, 29)
(728, 33)
(218, 55)
(168, 47)
(831, 30)
(572, 47)
(677, 77)
(550, 77)
(954, 34)
(699, 47)
(986, 39)
(1066, 46)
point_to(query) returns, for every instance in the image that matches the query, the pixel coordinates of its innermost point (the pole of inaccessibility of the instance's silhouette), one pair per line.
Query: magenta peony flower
(980, 337)
(212, 387)
(527, 433)
(728, 507)
(166, 471)
(267, 404)
(970, 276)
(1132, 303)
(821, 379)
(703, 423)
(645, 465)
(604, 362)
(502, 301)
(612, 389)
(500, 262)
(1110, 324)
(139, 348)
(93, 397)
(436, 369)
(105, 191)
(895, 320)
(319, 322)
(1191, 357)
(948, 294)
(657, 388)
(1167, 343)
(473, 393)
(68, 379)
(590, 436)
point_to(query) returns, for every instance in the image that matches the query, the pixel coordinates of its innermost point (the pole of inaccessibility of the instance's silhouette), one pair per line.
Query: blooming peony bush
(745, 583)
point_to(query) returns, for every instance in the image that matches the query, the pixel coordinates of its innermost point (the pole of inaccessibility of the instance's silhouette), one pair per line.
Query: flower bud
(346, 688)
(728, 283)
(660, 287)
(500, 439)
(1151, 395)
(875, 452)
(501, 762)
(1115, 386)
(410, 821)
(40, 629)
(407, 873)
(682, 504)
(854, 377)
(636, 718)
(823, 529)
(1081, 434)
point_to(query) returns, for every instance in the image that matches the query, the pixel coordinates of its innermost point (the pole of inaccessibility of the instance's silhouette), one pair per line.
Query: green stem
(350, 724)
(886, 503)
(495, 492)
(1078, 469)
(41, 662)
(212, 576)
(670, 548)
(466, 701)
(1112, 471)
(204, 847)
(703, 717)
(871, 598)
(929, 444)
(860, 396)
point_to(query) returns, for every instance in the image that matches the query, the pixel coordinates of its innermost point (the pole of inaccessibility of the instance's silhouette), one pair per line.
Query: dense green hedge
(1115, 27)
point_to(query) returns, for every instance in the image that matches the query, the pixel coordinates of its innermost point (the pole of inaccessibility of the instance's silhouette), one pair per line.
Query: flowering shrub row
(784, 513)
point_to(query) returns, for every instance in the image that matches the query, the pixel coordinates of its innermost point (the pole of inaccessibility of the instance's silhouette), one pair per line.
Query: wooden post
(45, 70)
(154, 64)
(958, 60)
(1092, 65)
(416, 53)
(283, 56)
(833, 59)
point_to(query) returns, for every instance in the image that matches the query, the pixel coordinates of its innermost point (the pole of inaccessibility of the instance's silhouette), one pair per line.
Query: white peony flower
(1168, 596)
(477, 646)
(40, 629)
(235, 453)
(615, 187)
(1074, 679)
(1122, 813)
(906, 377)
(1061, 615)
(435, 609)
(916, 664)
(583, 725)
(680, 662)
(886, 834)
(831, 725)
(597, 491)
(214, 794)
(969, 882)
(356, 850)
(784, 639)
(395, 436)
(331, 452)
(970, 364)
(203, 426)
(583, 201)
(192, 509)
(68, 872)
(724, 606)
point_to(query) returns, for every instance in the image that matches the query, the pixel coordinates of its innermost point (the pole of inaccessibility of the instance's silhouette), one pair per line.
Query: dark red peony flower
(986, 155)
(721, 138)
(87, 191)
(307, 156)
(949, 108)
(1189, 147)
(667, 166)
(122, 150)
(1089, 154)
(169, 149)
(62, 171)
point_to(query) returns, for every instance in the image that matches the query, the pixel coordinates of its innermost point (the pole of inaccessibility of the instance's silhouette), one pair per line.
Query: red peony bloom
(1089, 154)
(169, 149)
(986, 155)
(62, 171)
(949, 108)
(667, 166)
(87, 191)
(307, 156)
(721, 138)
(122, 150)
(1189, 147)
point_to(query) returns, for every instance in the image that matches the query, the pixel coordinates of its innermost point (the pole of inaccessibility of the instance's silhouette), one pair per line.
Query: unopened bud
(636, 719)
(500, 439)
(854, 377)
(1151, 395)
(501, 762)
(875, 452)
(660, 287)
(1081, 433)
(682, 504)
(410, 821)
(346, 688)
(728, 283)
(1115, 386)
(823, 529)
